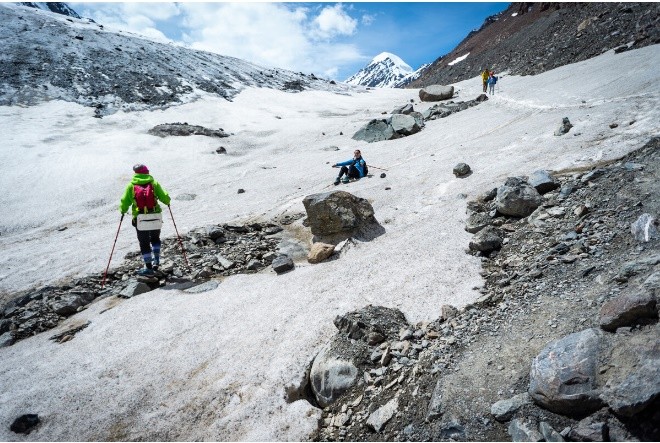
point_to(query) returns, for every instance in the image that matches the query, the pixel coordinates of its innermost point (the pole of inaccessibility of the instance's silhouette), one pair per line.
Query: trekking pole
(105, 274)
(179, 237)
(376, 167)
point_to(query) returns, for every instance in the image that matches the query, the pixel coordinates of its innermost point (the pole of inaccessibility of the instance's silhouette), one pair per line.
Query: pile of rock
(573, 289)
(405, 121)
(184, 129)
(214, 251)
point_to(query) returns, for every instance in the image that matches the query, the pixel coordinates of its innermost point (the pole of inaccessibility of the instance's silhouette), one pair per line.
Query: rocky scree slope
(556, 277)
(544, 36)
(49, 56)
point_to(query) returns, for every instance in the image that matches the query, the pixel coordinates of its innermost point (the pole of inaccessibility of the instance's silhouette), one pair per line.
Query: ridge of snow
(458, 59)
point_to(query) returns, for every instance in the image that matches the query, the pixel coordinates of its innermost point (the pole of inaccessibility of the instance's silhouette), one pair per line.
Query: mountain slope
(530, 38)
(49, 56)
(56, 7)
(386, 70)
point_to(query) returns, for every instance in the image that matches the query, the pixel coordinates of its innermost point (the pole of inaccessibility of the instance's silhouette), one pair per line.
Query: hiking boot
(345, 180)
(337, 181)
(146, 272)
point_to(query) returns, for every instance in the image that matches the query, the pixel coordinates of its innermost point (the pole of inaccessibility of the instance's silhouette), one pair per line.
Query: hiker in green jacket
(143, 193)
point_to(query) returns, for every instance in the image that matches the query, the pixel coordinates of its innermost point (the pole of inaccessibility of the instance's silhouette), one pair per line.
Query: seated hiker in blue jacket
(357, 168)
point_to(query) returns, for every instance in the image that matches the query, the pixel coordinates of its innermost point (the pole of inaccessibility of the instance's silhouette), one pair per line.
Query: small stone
(383, 175)
(221, 150)
(241, 191)
(282, 264)
(25, 423)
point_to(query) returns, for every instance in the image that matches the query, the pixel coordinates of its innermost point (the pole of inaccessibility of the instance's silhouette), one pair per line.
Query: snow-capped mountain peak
(56, 7)
(386, 70)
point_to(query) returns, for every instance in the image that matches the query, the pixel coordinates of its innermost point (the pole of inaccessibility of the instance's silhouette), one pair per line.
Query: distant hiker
(143, 193)
(484, 79)
(491, 82)
(354, 168)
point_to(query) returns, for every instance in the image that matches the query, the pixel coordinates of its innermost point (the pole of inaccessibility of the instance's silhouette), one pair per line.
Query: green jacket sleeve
(126, 200)
(161, 194)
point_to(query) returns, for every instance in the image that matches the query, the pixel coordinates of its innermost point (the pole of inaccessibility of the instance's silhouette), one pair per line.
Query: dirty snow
(168, 365)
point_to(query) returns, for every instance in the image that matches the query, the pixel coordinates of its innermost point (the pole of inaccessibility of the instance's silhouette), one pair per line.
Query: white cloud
(271, 34)
(334, 21)
(132, 17)
(368, 19)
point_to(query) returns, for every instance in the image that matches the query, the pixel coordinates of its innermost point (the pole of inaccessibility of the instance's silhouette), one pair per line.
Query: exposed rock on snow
(184, 129)
(564, 128)
(436, 93)
(517, 198)
(337, 215)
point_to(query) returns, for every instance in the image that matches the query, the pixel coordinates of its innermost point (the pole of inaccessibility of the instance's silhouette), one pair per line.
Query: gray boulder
(543, 181)
(404, 124)
(134, 288)
(563, 375)
(486, 240)
(330, 376)
(337, 215)
(549, 434)
(476, 222)
(282, 264)
(589, 429)
(564, 128)
(522, 430)
(637, 391)
(517, 198)
(627, 310)
(375, 131)
(503, 410)
(461, 170)
(69, 304)
(379, 418)
(644, 228)
(6, 339)
(405, 109)
(435, 93)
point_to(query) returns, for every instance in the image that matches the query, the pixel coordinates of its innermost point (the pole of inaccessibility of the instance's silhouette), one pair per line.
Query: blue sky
(333, 40)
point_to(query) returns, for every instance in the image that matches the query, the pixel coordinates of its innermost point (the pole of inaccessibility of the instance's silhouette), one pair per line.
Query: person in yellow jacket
(143, 193)
(484, 79)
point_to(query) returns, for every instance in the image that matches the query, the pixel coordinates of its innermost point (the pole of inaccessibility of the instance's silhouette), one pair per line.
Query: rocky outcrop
(184, 129)
(338, 215)
(213, 251)
(530, 38)
(436, 93)
(542, 295)
(517, 198)
(563, 375)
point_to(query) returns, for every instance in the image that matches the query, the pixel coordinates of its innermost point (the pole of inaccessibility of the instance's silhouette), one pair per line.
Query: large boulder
(563, 375)
(543, 181)
(404, 124)
(517, 198)
(330, 376)
(336, 215)
(627, 310)
(486, 240)
(435, 93)
(375, 131)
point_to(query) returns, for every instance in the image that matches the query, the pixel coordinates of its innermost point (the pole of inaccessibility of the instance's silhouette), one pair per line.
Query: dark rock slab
(563, 375)
(282, 264)
(627, 310)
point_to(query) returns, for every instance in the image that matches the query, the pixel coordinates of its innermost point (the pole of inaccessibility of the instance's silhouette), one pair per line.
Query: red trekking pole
(179, 237)
(105, 274)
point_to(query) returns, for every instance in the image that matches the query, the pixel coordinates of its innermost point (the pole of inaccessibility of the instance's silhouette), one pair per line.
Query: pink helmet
(140, 169)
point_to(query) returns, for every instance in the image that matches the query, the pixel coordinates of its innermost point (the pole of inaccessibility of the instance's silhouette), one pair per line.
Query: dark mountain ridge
(530, 38)
(50, 56)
